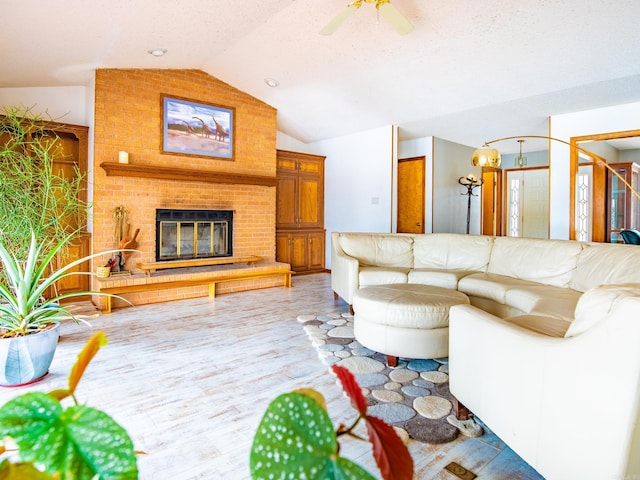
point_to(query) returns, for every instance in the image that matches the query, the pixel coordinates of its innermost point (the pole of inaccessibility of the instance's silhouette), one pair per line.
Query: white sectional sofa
(548, 352)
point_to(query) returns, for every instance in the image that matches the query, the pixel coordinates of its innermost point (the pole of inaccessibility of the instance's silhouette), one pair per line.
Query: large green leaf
(76, 443)
(295, 439)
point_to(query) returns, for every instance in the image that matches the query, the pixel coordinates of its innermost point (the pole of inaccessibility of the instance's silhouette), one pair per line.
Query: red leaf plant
(389, 451)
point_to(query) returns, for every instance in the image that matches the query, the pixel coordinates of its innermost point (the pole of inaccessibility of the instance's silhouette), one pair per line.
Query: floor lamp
(470, 182)
(490, 157)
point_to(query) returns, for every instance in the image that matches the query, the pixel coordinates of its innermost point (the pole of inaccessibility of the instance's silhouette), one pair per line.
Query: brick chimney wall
(128, 116)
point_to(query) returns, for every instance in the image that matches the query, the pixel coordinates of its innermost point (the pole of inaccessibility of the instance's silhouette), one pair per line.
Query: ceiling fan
(391, 13)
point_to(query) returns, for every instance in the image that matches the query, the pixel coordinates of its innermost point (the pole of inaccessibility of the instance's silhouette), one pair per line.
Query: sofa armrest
(344, 271)
(541, 394)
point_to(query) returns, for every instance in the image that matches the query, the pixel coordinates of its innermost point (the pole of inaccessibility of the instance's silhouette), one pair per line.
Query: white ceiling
(469, 71)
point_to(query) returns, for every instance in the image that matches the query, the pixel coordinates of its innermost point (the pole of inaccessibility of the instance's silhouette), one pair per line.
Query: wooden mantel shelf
(183, 174)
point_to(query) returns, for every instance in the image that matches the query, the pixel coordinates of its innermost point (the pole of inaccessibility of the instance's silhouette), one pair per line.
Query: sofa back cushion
(379, 249)
(452, 251)
(605, 263)
(552, 262)
(598, 303)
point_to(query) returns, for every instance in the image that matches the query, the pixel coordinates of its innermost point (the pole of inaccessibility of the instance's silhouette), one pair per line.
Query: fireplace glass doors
(185, 234)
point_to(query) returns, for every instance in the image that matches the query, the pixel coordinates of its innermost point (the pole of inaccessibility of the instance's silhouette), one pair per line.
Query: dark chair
(631, 236)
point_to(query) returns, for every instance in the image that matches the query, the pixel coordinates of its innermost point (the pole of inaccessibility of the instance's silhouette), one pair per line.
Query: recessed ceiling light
(158, 52)
(272, 82)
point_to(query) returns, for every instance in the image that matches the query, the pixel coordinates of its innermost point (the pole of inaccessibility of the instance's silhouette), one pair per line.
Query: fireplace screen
(184, 234)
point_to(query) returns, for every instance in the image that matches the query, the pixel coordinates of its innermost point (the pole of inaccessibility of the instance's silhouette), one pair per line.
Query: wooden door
(491, 201)
(528, 203)
(411, 195)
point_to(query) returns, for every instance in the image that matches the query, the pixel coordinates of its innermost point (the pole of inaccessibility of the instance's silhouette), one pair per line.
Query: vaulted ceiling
(469, 71)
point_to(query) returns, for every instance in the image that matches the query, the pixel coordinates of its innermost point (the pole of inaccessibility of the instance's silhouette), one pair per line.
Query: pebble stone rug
(414, 396)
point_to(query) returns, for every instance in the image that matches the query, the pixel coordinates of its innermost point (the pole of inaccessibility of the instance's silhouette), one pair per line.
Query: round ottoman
(405, 320)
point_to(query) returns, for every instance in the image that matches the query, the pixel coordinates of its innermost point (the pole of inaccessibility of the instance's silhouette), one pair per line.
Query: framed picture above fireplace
(196, 128)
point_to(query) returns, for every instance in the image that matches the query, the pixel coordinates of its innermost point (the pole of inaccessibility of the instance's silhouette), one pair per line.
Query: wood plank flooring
(191, 379)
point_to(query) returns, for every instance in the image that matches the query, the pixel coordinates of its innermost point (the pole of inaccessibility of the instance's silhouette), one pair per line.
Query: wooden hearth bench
(150, 268)
(139, 282)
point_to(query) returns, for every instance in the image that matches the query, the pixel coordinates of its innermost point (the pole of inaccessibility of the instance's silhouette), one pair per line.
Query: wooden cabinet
(304, 251)
(623, 208)
(300, 234)
(78, 248)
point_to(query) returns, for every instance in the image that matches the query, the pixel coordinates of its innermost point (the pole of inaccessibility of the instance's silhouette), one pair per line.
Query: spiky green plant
(23, 306)
(33, 197)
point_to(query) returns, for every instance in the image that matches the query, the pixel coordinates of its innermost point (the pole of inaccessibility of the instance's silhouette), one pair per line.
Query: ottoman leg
(461, 412)
(392, 361)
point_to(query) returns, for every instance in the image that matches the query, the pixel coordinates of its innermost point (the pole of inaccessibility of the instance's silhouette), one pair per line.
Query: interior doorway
(411, 195)
(528, 203)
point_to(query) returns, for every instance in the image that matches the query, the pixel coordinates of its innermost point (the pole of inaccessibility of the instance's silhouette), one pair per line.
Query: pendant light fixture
(520, 160)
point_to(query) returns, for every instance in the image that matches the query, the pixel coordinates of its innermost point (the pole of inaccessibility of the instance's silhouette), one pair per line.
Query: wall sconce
(470, 182)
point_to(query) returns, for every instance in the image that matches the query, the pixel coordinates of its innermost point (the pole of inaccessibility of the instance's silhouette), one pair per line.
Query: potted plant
(36, 197)
(46, 438)
(296, 439)
(29, 319)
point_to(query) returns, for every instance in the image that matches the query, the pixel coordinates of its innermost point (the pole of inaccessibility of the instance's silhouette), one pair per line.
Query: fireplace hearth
(186, 234)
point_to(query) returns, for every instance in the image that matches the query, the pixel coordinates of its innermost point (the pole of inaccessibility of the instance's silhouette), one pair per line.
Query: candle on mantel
(123, 157)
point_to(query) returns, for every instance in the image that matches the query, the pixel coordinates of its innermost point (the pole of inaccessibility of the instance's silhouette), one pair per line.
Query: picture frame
(197, 128)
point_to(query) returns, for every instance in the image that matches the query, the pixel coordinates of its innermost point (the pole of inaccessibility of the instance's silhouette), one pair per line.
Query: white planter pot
(27, 359)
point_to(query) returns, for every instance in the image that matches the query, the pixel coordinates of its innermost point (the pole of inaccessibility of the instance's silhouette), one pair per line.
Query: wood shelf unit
(300, 233)
(183, 174)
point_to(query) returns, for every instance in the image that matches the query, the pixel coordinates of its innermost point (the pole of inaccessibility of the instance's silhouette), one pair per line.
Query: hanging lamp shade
(486, 157)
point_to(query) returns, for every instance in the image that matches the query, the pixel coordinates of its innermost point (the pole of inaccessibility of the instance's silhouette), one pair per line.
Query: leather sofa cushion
(545, 300)
(491, 286)
(599, 303)
(553, 327)
(382, 275)
(437, 277)
(379, 250)
(452, 251)
(551, 262)
(604, 263)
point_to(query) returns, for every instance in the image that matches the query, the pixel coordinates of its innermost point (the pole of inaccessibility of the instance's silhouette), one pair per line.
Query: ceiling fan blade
(333, 25)
(395, 18)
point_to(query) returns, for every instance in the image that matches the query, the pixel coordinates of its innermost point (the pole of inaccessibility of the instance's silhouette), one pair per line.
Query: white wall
(359, 182)
(60, 104)
(452, 161)
(590, 122)
(285, 142)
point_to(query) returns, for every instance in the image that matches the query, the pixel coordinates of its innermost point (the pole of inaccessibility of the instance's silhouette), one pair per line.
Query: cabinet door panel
(299, 252)
(79, 248)
(286, 201)
(309, 207)
(314, 167)
(283, 247)
(316, 251)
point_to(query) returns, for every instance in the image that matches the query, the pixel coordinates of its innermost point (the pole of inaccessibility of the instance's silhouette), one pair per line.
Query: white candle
(123, 157)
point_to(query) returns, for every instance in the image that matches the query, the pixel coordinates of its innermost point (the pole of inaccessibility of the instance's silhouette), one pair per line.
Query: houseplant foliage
(74, 442)
(296, 439)
(33, 197)
(29, 319)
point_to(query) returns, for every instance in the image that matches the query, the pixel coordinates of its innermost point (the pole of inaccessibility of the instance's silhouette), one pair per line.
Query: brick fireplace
(128, 116)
